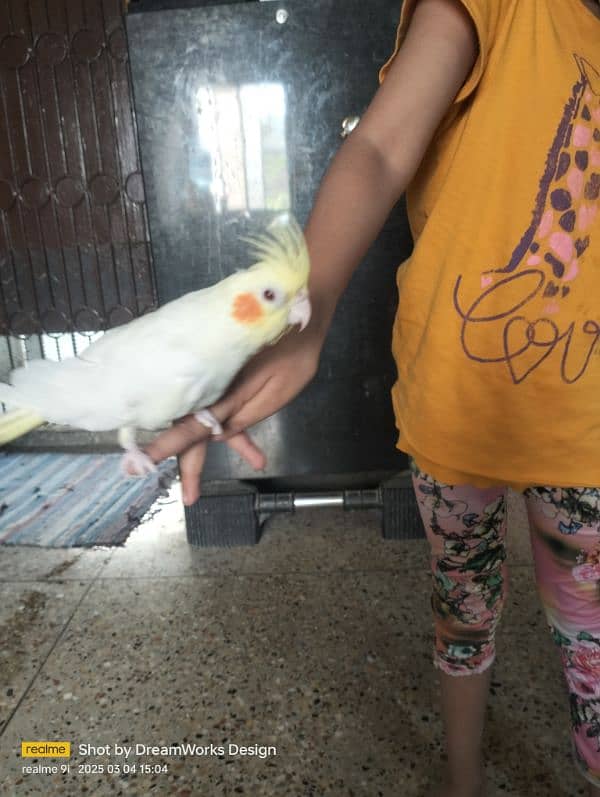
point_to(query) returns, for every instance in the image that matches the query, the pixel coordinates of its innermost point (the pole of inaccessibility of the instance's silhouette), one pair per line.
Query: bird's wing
(67, 392)
(174, 326)
(147, 389)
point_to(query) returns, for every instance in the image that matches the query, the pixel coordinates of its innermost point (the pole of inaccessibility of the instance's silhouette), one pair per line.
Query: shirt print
(553, 252)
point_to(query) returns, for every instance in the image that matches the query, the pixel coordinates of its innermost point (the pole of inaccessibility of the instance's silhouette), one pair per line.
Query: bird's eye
(269, 295)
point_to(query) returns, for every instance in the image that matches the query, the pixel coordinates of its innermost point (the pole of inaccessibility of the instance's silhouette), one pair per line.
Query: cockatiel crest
(280, 274)
(175, 360)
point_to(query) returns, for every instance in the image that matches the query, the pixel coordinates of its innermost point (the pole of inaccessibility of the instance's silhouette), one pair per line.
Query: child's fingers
(238, 395)
(191, 463)
(177, 438)
(248, 450)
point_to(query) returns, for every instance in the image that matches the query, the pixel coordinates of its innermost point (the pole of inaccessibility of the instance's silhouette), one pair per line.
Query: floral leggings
(466, 528)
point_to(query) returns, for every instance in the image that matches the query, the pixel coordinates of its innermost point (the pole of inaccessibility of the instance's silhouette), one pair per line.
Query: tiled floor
(315, 642)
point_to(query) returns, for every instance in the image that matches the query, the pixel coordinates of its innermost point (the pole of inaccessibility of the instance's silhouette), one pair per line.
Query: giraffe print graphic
(554, 250)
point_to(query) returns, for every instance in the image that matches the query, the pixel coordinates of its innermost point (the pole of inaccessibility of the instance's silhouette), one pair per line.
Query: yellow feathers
(16, 423)
(283, 250)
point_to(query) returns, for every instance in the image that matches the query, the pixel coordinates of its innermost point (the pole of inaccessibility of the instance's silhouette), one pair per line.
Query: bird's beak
(300, 309)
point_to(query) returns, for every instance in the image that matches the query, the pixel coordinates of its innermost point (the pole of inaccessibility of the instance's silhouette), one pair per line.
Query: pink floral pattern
(582, 669)
(588, 567)
(466, 529)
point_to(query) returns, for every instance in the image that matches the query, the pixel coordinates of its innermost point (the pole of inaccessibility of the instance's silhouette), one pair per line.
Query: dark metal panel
(74, 242)
(169, 5)
(240, 109)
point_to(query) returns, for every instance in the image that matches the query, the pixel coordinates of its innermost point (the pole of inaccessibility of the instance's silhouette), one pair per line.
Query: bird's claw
(136, 463)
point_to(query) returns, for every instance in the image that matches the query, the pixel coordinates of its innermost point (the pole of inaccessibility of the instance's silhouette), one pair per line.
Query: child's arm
(373, 168)
(366, 178)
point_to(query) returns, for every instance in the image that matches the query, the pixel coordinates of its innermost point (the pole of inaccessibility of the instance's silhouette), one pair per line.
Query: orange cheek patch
(246, 308)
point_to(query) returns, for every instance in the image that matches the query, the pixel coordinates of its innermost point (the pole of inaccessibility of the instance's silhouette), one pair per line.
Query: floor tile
(28, 562)
(332, 669)
(32, 617)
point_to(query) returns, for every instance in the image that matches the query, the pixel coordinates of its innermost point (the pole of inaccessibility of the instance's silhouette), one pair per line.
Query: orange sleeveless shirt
(497, 334)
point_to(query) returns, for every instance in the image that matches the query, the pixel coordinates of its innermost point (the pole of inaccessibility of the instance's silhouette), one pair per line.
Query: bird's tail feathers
(16, 423)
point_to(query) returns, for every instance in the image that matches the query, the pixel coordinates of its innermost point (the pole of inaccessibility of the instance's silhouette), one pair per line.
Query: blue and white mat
(67, 500)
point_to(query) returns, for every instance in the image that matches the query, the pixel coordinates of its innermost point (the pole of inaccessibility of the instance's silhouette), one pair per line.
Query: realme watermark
(122, 759)
(45, 749)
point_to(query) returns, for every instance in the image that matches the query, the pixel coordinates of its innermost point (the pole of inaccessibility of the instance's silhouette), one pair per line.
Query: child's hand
(268, 382)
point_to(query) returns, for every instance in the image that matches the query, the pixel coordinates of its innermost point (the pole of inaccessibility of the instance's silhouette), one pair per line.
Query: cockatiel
(176, 360)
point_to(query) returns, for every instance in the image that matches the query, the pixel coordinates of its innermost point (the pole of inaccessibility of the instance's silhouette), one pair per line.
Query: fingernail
(189, 498)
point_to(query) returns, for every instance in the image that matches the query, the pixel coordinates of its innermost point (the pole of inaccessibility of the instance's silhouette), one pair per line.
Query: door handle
(348, 125)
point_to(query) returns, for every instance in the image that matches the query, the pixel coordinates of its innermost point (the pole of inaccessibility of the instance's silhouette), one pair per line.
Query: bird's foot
(136, 463)
(206, 418)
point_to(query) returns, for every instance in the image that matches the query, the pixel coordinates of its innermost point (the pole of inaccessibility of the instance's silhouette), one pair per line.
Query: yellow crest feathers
(282, 246)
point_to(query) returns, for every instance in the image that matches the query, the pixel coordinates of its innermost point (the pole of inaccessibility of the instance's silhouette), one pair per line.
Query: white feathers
(175, 360)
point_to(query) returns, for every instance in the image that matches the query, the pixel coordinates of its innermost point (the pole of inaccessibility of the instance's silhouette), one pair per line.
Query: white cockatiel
(176, 360)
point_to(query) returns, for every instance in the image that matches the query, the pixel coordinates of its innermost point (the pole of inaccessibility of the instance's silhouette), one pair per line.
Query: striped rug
(68, 500)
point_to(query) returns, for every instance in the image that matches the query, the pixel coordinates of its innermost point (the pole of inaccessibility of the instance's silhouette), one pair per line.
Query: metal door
(240, 109)
(74, 244)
